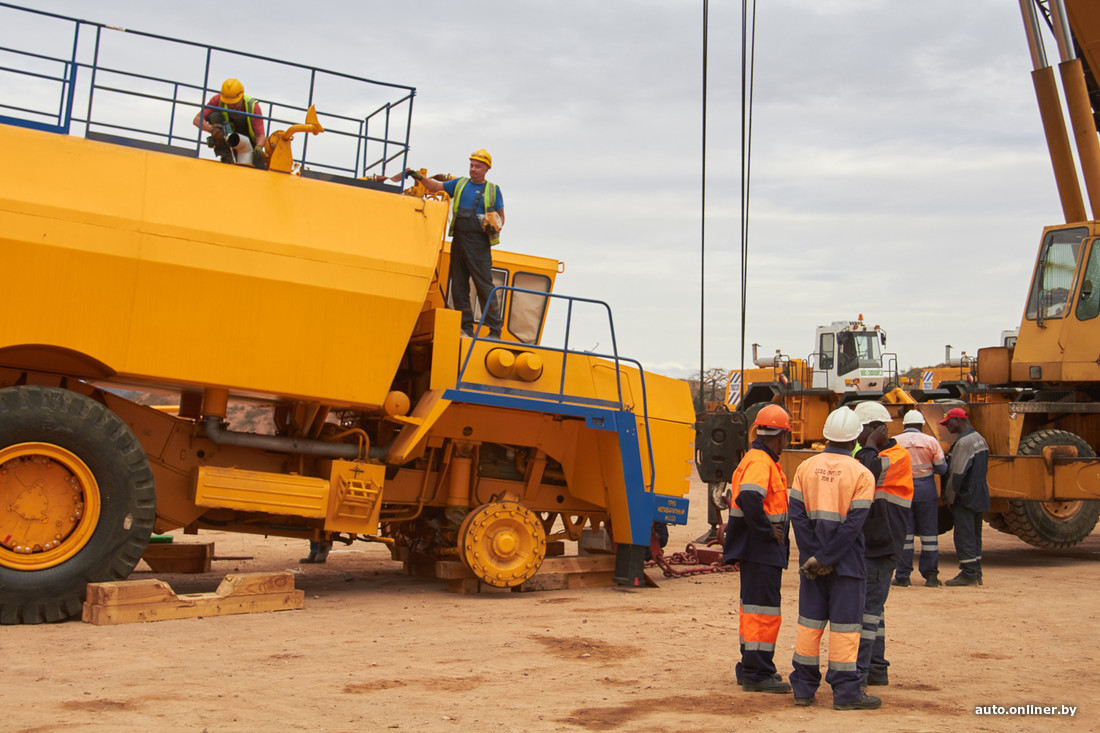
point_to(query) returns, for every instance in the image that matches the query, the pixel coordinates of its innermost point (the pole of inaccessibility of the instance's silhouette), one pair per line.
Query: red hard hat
(773, 416)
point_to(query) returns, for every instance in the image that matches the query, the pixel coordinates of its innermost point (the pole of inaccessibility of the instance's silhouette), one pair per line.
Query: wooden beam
(185, 557)
(130, 601)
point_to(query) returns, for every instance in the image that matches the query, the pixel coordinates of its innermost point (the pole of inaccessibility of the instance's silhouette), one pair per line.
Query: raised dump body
(139, 272)
(154, 280)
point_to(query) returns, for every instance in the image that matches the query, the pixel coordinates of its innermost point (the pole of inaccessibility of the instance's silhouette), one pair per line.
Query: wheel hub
(1061, 510)
(49, 505)
(503, 543)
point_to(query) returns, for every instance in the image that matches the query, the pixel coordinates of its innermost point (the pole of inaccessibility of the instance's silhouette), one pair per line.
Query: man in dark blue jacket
(967, 493)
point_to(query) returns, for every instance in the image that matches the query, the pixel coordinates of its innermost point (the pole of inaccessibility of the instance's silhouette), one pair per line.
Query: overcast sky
(899, 168)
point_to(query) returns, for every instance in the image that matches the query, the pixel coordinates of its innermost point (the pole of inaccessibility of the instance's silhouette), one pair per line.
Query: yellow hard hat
(232, 91)
(482, 156)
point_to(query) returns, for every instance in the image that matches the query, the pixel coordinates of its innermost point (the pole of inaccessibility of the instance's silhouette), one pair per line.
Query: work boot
(772, 685)
(318, 553)
(901, 582)
(775, 676)
(803, 702)
(867, 702)
(961, 579)
(933, 581)
(878, 681)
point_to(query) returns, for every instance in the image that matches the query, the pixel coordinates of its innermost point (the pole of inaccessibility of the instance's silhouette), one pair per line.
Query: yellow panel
(233, 488)
(182, 271)
(356, 500)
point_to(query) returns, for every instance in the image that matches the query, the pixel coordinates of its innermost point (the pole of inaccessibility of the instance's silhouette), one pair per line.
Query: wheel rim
(503, 543)
(1061, 511)
(49, 505)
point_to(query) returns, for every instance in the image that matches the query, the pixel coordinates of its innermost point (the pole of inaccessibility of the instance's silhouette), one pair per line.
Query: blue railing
(560, 395)
(73, 76)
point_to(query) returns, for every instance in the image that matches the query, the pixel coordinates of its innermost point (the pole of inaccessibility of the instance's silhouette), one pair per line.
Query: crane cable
(747, 69)
(748, 56)
(701, 403)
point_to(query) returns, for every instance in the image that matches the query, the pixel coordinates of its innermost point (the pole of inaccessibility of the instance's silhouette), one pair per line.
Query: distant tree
(714, 386)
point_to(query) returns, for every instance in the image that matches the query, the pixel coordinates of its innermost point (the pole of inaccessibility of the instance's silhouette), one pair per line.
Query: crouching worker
(236, 126)
(756, 537)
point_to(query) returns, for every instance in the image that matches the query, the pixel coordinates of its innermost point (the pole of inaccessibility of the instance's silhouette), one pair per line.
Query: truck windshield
(856, 350)
(1053, 280)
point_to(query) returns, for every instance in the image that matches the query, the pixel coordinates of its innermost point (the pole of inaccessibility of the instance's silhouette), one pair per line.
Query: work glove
(415, 175)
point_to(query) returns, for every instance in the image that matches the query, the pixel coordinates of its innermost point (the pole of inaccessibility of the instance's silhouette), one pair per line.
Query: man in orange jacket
(756, 537)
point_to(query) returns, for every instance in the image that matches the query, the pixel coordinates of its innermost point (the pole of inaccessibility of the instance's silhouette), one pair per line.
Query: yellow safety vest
(489, 202)
(248, 107)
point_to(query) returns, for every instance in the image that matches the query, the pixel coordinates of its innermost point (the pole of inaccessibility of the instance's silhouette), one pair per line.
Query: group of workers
(855, 509)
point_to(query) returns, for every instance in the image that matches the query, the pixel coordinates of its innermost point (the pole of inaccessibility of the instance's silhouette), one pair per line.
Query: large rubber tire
(35, 421)
(1053, 525)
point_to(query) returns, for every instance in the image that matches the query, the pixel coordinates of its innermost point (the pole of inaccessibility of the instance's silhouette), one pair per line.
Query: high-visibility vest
(897, 475)
(249, 105)
(758, 472)
(489, 202)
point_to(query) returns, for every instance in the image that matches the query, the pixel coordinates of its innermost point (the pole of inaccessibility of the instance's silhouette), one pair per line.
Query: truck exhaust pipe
(215, 430)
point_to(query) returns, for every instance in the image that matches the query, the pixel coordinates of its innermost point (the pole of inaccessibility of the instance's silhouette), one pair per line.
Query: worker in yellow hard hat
(477, 216)
(232, 112)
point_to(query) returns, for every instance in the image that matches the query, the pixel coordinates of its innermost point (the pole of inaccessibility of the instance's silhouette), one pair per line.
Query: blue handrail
(92, 95)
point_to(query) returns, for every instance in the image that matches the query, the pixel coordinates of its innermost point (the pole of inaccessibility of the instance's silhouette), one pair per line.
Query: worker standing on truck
(883, 533)
(829, 501)
(225, 114)
(756, 537)
(477, 215)
(926, 457)
(967, 493)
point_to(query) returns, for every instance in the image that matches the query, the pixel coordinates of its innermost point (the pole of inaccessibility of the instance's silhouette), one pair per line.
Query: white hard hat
(913, 417)
(871, 412)
(842, 425)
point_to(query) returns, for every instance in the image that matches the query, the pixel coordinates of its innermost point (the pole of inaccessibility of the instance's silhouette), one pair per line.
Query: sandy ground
(376, 650)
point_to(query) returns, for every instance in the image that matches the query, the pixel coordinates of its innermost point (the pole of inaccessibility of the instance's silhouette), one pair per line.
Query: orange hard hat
(772, 416)
(232, 91)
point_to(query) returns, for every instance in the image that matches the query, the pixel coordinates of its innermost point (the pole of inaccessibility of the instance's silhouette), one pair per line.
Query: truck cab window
(827, 348)
(1088, 303)
(1053, 280)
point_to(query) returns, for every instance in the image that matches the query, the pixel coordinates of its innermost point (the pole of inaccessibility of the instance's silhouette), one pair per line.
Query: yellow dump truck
(136, 268)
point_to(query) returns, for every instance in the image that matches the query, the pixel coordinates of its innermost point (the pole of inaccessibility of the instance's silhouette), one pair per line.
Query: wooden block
(464, 585)
(578, 564)
(452, 570)
(188, 557)
(555, 548)
(153, 600)
(420, 569)
(590, 580)
(129, 591)
(544, 581)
